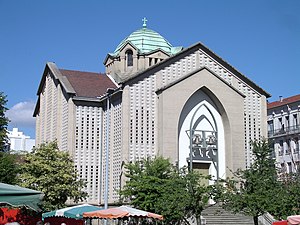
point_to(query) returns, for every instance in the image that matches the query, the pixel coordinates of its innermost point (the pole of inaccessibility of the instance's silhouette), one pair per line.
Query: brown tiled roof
(88, 84)
(284, 101)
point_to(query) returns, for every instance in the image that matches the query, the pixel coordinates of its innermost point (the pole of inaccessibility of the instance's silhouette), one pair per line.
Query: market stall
(70, 215)
(19, 204)
(17, 196)
(291, 220)
(124, 213)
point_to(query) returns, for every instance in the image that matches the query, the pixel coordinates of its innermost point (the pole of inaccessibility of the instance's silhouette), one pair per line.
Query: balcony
(284, 131)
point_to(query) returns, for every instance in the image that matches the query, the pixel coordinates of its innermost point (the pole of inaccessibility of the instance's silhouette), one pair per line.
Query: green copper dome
(146, 40)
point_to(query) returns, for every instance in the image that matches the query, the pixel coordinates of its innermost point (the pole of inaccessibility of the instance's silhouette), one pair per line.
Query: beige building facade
(185, 104)
(284, 132)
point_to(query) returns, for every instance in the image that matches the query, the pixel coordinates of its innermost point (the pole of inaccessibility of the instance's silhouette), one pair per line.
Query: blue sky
(260, 38)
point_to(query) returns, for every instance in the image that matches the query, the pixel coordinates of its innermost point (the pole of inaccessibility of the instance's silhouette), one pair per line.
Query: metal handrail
(266, 219)
(284, 131)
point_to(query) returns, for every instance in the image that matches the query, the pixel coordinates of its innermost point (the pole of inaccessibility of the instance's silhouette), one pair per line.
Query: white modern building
(185, 104)
(284, 131)
(20, 142)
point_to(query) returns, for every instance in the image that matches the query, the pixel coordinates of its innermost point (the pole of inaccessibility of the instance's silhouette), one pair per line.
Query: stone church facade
(185, 104)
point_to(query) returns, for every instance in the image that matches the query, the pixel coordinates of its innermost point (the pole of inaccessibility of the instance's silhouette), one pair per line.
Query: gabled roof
(192, 48)
(194, 72)
(79, 84)
(88, 84)
(113, 55)
(284, 101)
(51, 67)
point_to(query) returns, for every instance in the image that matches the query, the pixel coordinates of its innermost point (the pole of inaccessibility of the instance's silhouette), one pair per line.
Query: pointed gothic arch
(202, 115)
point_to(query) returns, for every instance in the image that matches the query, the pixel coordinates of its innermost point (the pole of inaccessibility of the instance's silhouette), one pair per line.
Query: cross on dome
(144, 22)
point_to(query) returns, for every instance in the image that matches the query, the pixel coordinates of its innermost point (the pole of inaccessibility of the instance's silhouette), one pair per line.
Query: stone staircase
(215, 215)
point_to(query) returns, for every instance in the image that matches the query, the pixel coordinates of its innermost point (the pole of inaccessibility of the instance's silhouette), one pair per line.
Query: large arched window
(129, 58)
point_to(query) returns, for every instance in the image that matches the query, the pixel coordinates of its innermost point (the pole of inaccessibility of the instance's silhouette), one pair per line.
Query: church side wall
(53, 115)
(37, 128)
(142, 119)
(115, 150)
(264, 116)
(87, 149)
(126, 123)
(76, 128)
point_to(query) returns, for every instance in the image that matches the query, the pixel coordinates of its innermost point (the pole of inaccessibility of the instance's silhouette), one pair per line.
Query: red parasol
(120, 212)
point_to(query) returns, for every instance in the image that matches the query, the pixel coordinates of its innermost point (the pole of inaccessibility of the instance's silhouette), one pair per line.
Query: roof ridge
(284, 101)
(102, 73)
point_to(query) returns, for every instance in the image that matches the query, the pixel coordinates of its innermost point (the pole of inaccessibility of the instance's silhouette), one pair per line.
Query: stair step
(215, 215)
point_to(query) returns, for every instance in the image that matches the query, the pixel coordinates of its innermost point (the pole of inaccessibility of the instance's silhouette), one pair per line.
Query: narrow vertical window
(287, 122)
(295, 123)
(281, 124)
(296, 146)
(270, 128)
(290, 167)
(129, 58)
(288, 146)
(280, 147)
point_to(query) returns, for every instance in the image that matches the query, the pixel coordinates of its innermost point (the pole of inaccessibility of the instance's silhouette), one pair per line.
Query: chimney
(280, 98)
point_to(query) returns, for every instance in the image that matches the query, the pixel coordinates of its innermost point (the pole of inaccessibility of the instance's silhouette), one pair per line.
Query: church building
(185, 104)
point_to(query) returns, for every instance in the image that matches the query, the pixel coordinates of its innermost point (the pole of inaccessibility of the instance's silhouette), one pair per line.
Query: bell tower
(140, 50)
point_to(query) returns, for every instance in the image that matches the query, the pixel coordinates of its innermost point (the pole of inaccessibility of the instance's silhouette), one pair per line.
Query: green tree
(9, 168)
(157, 186)
(3, 122)
(199, 194)
(254, 190)
(147, 181)
(51, 171)
(288, 196)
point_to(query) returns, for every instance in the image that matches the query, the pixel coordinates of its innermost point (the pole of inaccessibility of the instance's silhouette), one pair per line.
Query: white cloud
(20, 115)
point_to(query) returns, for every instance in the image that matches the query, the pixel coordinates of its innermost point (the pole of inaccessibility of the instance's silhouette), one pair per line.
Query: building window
(295, 122)
(287, 122)
(280, 152)
(290, 167)
(297, 164)
(281, 124)
(283, 168)
(296, 146)
(270, 127)
(288, 147)
(150, 61)
(129, 57)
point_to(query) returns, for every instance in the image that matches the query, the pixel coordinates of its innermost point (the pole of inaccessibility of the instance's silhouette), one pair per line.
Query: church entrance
(201, 137)
(202, 168)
